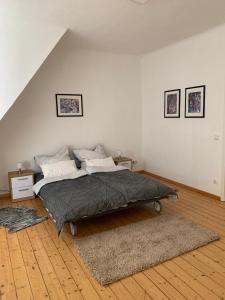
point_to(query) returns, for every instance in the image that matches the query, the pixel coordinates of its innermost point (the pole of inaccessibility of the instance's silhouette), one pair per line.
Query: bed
(91, 195)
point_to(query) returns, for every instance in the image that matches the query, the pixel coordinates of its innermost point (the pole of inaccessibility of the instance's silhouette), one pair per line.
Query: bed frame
(156, 203)
(73, 227)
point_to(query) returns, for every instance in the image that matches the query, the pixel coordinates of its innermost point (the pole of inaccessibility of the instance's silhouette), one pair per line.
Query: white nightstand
(21, 185)
(123, 161)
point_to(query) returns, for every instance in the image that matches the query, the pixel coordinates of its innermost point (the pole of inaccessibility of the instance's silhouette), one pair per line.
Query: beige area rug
(120, 252)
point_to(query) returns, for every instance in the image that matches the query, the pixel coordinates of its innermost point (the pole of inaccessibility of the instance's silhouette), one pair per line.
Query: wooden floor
(35, 264)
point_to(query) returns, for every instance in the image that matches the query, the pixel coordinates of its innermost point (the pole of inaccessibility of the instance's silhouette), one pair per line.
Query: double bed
(90, 195)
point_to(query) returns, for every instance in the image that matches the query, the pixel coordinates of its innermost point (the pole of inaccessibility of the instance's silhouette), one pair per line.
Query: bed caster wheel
(73, 229)
(157, 206)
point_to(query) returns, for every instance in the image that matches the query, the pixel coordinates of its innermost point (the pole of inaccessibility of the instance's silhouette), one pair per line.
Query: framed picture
(195, 102)
(69, 105)
(172, 104)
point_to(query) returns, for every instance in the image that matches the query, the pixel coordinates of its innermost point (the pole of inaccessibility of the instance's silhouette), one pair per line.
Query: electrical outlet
(214, 181)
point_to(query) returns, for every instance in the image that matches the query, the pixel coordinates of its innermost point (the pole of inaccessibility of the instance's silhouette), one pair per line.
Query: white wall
(111, 89)
(184, 149)
(20, 53)
(1, 164)
(112, 86)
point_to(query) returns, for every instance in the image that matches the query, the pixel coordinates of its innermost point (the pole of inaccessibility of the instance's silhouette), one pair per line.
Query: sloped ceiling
(126, 26)
(24, 47)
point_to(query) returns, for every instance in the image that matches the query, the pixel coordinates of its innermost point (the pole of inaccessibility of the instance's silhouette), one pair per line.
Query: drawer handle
(23, 190)
(23, 178)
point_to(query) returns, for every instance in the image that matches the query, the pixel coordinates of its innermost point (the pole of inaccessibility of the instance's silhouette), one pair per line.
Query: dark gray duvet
(72, 199)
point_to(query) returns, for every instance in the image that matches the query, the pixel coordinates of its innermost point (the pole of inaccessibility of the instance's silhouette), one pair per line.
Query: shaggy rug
(17, 218)
(117, 253)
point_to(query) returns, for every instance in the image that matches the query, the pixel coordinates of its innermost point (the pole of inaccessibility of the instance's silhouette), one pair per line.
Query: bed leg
(73, 229)
(157, 206)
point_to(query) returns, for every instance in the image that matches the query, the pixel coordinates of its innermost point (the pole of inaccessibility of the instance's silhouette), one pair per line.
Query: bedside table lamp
(19, 167)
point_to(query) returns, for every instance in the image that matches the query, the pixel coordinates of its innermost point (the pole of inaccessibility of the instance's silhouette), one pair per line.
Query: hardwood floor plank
(163, 284)
(153, 291)
(23, 288)
(83, 283)
(202, 215)
(120, 291)
(67, 282)
(39, 265)
(52, 283)
(135, 289)
(205, 269)
(103, 292)
(36, 280)
(215, 254)
(190, 280)
(220, 244)
(206, 287)
(176, 282)
(208, 262)
(7, 285)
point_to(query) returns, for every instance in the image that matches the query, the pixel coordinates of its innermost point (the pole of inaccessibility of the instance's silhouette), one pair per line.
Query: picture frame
(69, 105)
(172, 103)
(195, 102)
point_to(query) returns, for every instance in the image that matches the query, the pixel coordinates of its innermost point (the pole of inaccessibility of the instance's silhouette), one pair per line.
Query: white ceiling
(123, 25)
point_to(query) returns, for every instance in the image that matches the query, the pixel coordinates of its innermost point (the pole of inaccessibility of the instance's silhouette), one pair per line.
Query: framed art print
(172, 104)
(69, 105)
(195, 102)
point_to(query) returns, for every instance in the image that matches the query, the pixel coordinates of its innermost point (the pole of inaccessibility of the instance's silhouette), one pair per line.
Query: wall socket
(214, 181)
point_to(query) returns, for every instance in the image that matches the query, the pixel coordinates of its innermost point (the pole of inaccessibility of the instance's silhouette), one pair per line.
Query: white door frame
(223, 154)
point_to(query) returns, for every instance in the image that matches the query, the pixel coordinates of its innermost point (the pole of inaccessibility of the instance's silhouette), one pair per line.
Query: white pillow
(102, 162)
(65, 168)
(100, 149)
(83, 154)
(61, 155)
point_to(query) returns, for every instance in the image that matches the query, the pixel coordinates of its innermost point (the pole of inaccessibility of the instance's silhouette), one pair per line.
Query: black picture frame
(176, 113)
(195, 113)
(69, 97)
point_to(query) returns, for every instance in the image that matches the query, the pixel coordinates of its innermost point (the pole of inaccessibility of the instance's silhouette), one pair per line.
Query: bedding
(100, 149)
(101, 165)
(40, 181)
(62, 154)
(69, 200)
(102, 162)
(77, 161)
(100, 169)
(83, 154)
(134, 186)
(59, 168)
(38, 176)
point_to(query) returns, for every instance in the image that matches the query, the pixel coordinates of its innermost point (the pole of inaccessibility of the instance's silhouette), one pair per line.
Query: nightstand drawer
(23, 181)
(22, 192)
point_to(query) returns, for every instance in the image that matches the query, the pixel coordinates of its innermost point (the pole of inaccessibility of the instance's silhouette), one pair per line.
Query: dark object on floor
(17, 218)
